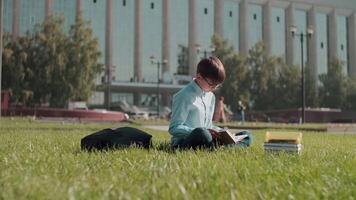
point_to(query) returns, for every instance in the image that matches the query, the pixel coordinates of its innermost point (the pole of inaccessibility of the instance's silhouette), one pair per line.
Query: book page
(226, 137)
(239, 138)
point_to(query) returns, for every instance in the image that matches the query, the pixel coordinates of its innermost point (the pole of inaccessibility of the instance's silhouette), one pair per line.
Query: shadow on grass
(166, 147)
(160, 146)
(163, 146)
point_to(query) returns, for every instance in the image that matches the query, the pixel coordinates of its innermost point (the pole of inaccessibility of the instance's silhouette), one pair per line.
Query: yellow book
(283, 137)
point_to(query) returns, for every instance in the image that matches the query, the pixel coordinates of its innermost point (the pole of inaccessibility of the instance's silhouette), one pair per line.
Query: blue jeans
(198, 138)
(201, 138)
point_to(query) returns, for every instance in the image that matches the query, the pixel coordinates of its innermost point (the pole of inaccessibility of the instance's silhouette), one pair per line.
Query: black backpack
(116, 138)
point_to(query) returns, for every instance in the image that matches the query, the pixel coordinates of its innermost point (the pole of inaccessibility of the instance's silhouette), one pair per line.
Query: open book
(226, 137)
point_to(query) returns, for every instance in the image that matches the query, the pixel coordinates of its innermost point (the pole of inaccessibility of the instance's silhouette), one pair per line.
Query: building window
(205, 11)
(152, 5)
(342, 47)
(255, 16)
(32, 20)
(230, 13)
(123, 2)
(278, 19)
(322, 45)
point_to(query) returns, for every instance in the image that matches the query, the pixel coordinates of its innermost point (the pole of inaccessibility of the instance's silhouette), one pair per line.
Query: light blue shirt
(192, 108)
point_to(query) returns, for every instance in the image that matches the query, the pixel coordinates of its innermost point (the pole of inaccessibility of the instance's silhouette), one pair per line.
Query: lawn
(41, 160)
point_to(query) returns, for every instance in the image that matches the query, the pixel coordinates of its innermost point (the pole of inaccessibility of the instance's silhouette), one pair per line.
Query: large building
(130, 32)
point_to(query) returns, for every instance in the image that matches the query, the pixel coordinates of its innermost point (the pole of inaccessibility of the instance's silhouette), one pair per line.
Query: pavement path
(157, 127)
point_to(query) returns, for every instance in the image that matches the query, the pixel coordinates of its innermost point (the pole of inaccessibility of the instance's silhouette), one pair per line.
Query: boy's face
(206, 84)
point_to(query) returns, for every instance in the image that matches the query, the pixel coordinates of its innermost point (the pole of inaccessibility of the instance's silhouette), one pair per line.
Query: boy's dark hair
(212, 68)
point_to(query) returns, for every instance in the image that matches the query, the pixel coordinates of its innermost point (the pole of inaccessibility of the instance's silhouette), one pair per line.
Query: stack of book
(283, 141)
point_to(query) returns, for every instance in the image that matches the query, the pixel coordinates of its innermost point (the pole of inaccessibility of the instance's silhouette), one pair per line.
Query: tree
(12, 69)
(183, 64)
(288, 87)
(351, 94)
(15, 75)
(234, 87)
(84, 67)
(52, 66)
(311, 89)
(49, 63)
(333, 88)
(261, 81)
(263, 77)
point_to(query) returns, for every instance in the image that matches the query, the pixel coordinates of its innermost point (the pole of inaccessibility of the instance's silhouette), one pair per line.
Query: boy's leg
(198, 138)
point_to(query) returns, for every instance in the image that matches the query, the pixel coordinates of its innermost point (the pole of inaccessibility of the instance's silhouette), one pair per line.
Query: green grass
(318, 127)
(43, 161)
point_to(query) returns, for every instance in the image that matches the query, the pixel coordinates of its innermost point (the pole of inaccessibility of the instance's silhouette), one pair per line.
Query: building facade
(132, 32)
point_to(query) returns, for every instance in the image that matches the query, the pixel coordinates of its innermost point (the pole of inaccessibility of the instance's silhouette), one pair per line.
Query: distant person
(241, 110)
(219, 113)
(193, 107)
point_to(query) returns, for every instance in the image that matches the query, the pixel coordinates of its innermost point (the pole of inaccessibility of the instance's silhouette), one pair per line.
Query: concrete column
(192, 50)
(218, 17)
(138, 42)
(332, 40)
(165, 35)
(1, 30)
(108, 51)
(290, 39)
(79, 9)
(312, 63)
(15, 18)
(267, 39)
(166, 99)
(352, 44)
(137, 49)
(165, 45)
(243, 36)
(48, 8)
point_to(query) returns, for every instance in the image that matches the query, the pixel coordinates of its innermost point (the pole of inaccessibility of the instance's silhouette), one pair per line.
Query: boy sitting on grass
(193, 107)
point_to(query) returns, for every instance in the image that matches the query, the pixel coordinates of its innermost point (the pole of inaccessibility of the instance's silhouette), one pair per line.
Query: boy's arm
(180, 110)
(212, 126)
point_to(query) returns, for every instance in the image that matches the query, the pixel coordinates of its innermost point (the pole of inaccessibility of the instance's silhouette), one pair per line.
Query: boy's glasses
(211, 84)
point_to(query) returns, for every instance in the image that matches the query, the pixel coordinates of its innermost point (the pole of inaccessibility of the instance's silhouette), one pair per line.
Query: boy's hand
(214, 134)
